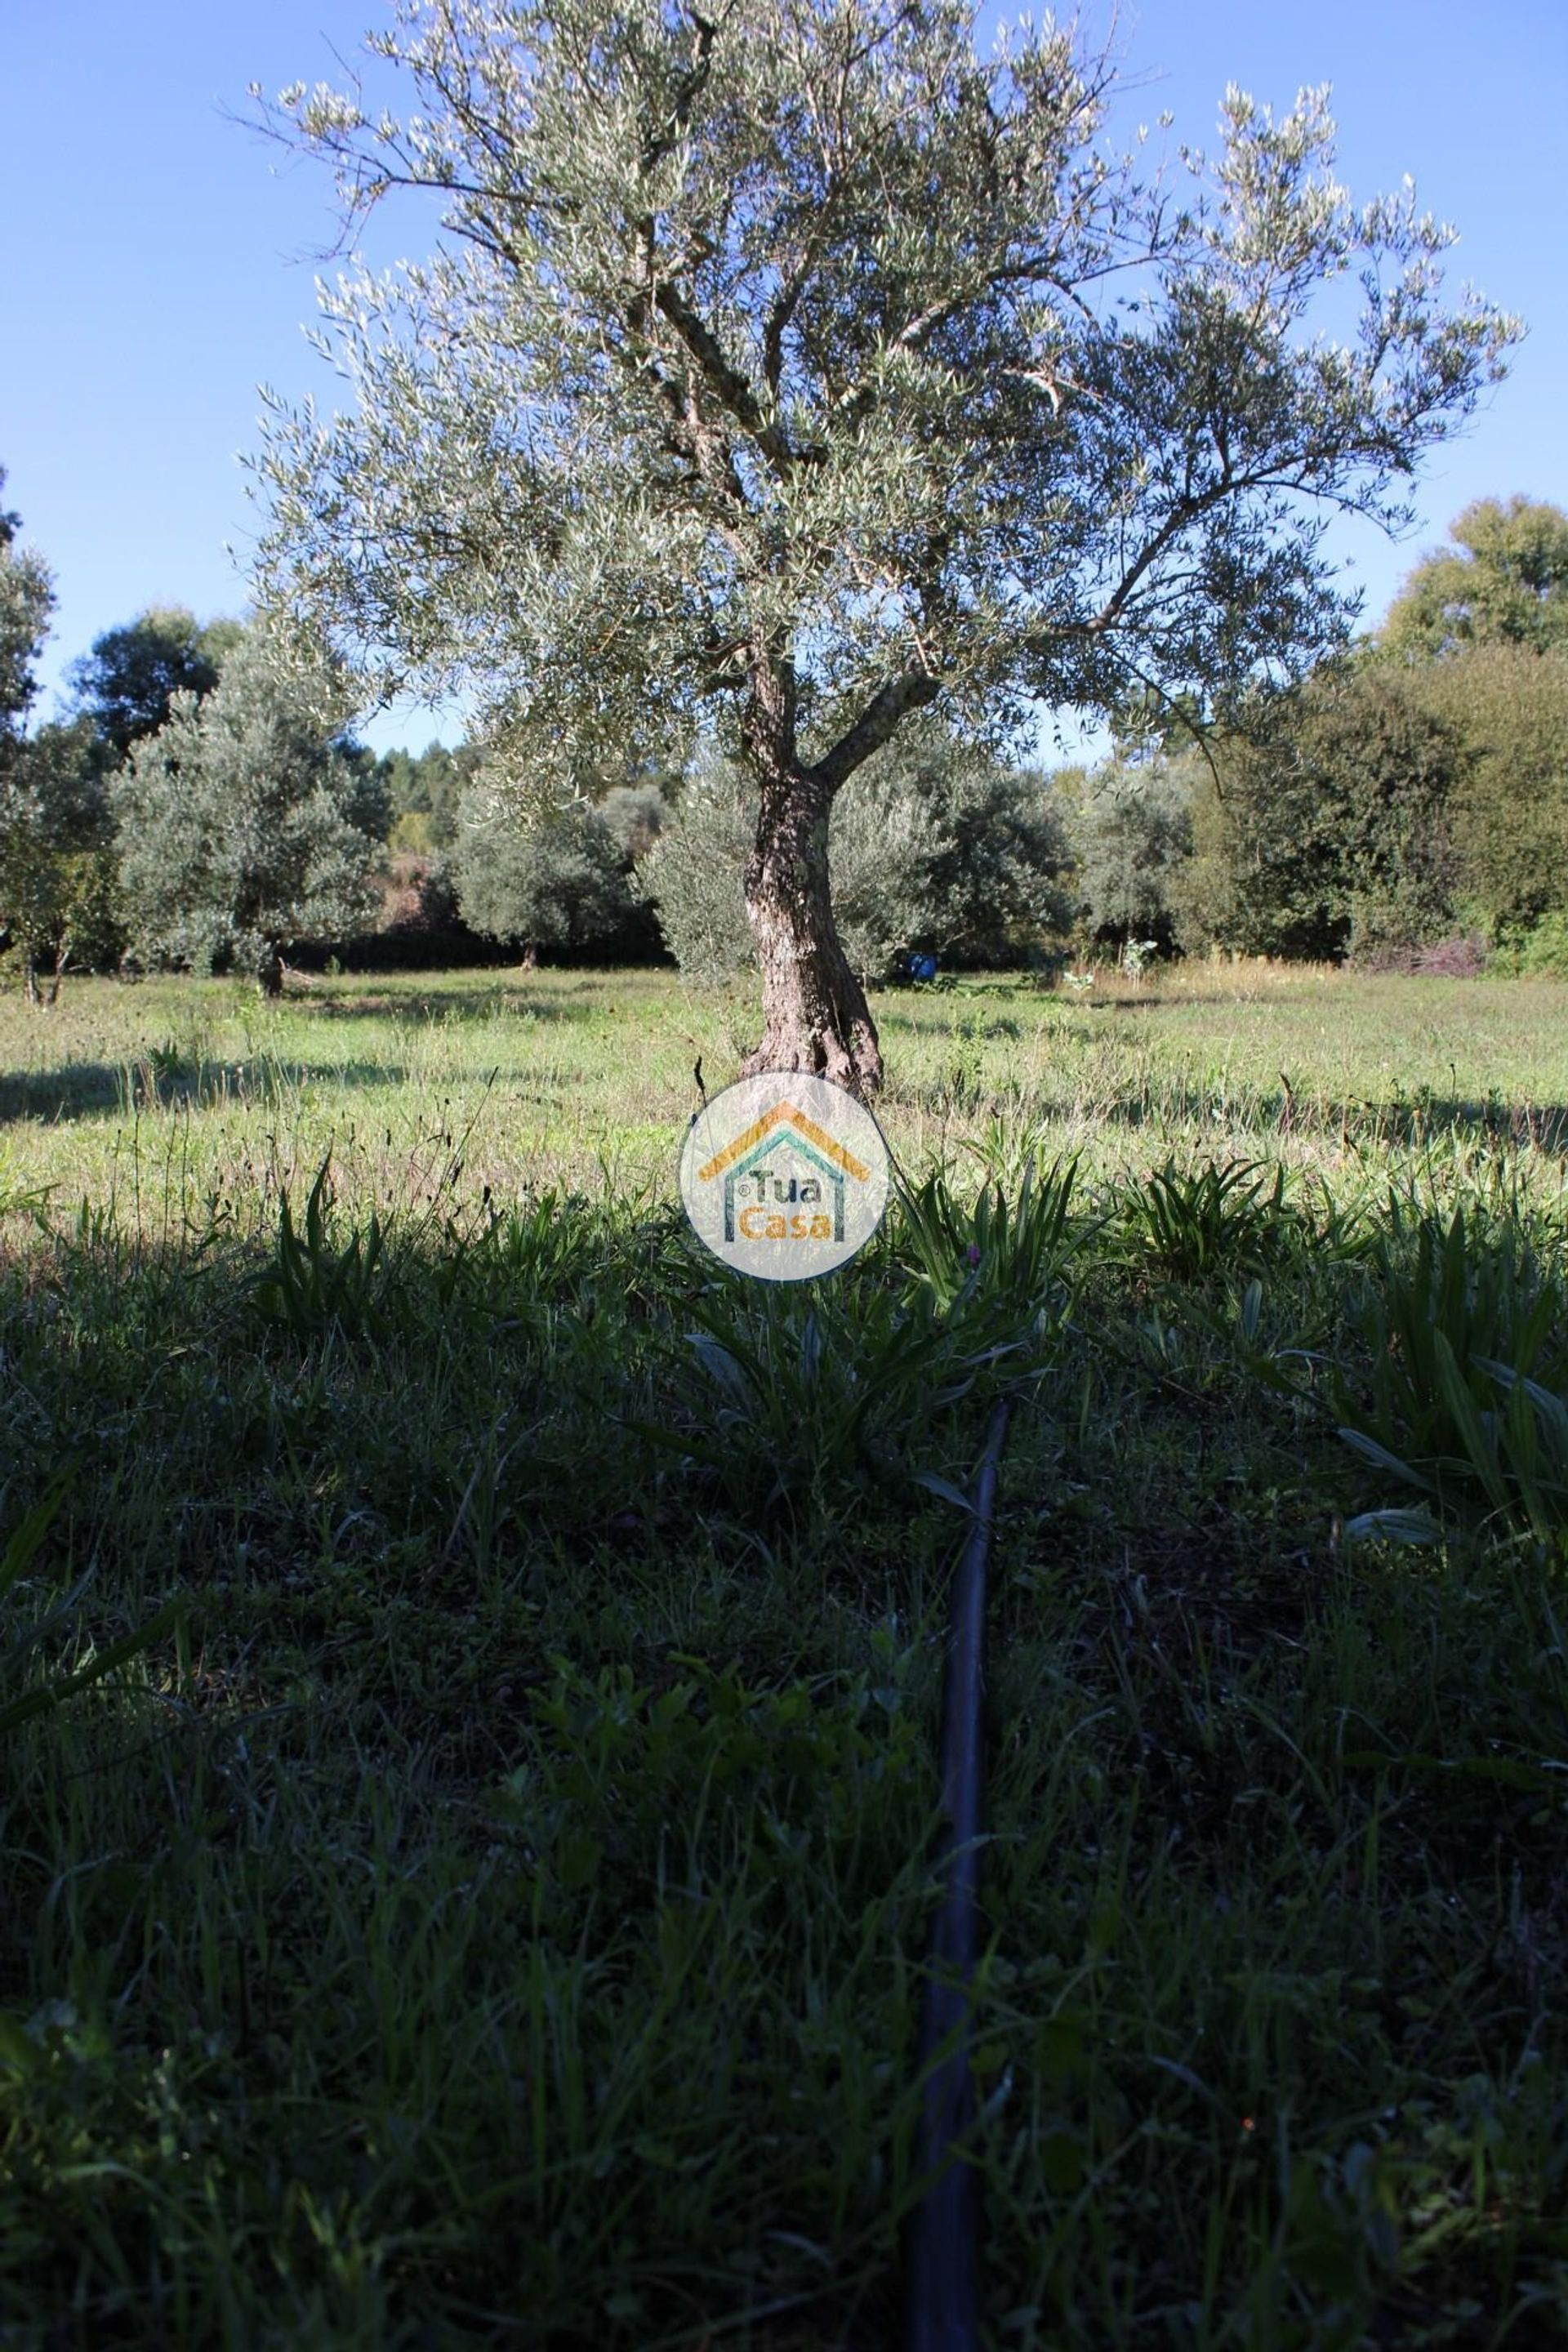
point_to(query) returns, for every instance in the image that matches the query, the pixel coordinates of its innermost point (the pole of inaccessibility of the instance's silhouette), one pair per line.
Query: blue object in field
(923, 967)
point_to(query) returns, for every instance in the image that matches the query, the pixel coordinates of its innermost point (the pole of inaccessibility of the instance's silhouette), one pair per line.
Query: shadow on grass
(89, 1089)
(80, 1090)
(1541, 1126)
(1405, 1121)
(1043, 1001)
(463, 1004)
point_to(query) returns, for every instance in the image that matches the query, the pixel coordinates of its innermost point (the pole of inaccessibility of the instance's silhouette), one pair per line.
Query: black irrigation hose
(942, 2293)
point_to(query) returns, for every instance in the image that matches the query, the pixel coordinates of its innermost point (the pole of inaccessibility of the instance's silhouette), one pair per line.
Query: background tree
(636, 815)
(27, 601)
(938, 847)
(127, 684)
(1129, 825)
(1503, 581)
(422, 790)
(934, 845)
(561, 880)
(247, 823)
(52, 821)
(1332, 832)
(695, 872)
(58, 895)
(1267, 873)
(771, 367)
(1396, 768)
(1508, 706)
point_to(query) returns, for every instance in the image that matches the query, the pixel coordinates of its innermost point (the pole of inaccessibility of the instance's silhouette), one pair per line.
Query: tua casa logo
(784, 1176)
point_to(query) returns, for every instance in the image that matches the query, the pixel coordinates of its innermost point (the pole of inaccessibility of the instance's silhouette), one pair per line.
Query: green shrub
(1538, 951)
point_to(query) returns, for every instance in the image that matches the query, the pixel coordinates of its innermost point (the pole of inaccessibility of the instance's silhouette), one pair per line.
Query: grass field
(492, 1908)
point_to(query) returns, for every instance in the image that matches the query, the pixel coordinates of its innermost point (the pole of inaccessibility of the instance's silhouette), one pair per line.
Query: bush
(1539, 952)
(561, 878)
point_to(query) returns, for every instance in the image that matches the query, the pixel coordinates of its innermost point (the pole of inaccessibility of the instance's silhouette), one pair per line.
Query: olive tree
(790, 361)
(247, 822)
(561, 881)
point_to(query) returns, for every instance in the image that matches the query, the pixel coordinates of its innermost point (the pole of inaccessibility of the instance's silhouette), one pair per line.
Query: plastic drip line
(942, 2266)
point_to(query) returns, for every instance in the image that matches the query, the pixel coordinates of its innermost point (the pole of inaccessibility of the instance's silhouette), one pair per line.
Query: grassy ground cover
(493, 1912)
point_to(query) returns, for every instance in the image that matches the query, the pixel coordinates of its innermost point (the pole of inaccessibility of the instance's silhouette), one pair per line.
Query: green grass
(495, 1912)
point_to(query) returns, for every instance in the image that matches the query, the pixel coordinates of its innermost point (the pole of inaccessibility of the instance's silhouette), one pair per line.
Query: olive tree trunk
(815, 1014)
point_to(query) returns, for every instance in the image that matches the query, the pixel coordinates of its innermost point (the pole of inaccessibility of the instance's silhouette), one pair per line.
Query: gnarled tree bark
(815, 1014)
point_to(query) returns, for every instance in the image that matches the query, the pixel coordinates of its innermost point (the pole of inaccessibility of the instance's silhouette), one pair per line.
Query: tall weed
(42, 1691)
(1458, 1325)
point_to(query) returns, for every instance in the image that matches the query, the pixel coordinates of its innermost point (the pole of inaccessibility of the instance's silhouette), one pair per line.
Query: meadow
(489, 1907)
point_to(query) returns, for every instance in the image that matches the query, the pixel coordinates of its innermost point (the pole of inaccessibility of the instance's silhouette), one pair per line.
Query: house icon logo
(784, 1176)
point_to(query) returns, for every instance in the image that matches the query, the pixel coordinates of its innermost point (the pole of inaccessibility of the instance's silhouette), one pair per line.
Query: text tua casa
(758, 1223)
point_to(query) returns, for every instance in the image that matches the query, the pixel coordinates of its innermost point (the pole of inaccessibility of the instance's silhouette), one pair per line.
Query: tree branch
(728, 383)
(875, 726)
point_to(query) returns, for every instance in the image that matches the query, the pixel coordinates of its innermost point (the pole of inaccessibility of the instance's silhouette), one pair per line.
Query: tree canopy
(247, 822)
(788, 368)
(1510, 708)
(27, 601)
(58, 882)
(560, 880)
(128, 682)
(1504, 581)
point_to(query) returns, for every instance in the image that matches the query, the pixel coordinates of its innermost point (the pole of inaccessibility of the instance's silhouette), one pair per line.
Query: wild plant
(997, 1253)
(48, 1689)
(1458, 1323)
(1200, 1222)
(311, 1284)
(628, 1773)
(541, 1245)
(797, 1405)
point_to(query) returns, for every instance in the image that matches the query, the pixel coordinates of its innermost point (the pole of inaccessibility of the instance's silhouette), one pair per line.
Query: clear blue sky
(159, 259)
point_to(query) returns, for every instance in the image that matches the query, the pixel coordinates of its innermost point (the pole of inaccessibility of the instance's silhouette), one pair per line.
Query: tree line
(205, 807)
(1405, 804)
(202, 805)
